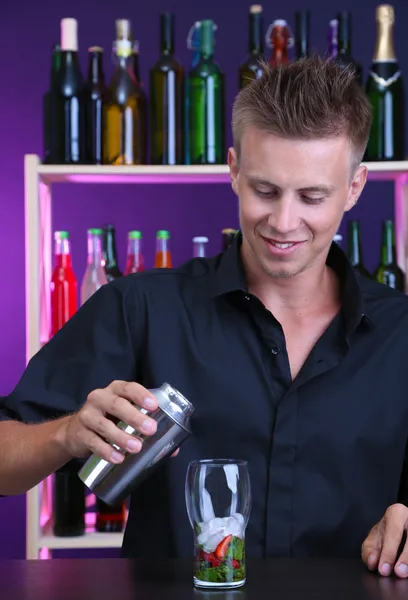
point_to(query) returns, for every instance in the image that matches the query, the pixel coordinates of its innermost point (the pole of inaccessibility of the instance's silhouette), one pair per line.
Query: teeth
(283, 246)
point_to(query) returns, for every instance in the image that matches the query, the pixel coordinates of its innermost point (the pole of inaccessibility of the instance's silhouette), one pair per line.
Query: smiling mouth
(277, 247)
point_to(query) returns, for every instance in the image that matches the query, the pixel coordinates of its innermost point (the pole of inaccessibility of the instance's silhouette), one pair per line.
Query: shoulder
(384, 304)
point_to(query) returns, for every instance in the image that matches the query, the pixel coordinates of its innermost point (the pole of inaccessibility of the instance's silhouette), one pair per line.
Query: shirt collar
(230, 277)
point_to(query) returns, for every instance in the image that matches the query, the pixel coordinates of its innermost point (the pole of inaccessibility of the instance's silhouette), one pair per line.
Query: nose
(283, 217)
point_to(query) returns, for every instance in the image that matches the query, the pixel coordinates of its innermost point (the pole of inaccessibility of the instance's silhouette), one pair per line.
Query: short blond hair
(310, 98)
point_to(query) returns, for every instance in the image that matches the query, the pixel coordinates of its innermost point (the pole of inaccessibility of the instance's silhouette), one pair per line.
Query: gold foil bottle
(385, 90)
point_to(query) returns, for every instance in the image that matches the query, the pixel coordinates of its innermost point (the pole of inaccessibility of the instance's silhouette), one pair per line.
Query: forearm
(29, 453)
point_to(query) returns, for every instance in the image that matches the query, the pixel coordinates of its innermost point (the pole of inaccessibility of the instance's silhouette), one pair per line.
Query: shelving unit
(38, 262)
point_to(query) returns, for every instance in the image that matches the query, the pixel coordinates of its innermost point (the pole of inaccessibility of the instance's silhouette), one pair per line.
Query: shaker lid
(174, 404)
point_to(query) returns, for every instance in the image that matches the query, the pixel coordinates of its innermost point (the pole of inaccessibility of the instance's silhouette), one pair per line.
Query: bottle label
(385, 82)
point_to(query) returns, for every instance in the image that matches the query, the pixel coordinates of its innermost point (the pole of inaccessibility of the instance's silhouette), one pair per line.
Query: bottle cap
(228, 231)
(163, 234)
(95, 49)
(95, 231)
(135, 235)
(200, 240)
(255, 9)
(385, 13)
(69, 34)
(61, 235)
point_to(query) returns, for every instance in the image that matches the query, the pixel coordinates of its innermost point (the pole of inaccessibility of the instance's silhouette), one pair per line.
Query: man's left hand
(382, 545)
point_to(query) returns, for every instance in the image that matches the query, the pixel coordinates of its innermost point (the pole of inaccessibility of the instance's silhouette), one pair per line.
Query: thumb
(372, 545)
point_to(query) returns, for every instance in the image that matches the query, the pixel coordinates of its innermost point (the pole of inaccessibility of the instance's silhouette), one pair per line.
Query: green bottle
(355, 250)
(206, 103)
(385, 90)
(388, 271)
(251, 69)
(167, 101)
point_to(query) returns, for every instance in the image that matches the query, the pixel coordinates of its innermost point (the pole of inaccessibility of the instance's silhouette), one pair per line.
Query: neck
(301, 294)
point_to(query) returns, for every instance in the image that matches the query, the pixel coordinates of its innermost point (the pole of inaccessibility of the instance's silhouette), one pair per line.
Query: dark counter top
(120, 579)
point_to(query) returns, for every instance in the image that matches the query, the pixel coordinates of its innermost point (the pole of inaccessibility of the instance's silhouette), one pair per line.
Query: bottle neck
(62, 253)
(256, 44)
(110, 249)
(388, 252)
(344, 35)
(162, 245)
(333, 47)
(167, 35)
(95, 70)
(134, 247)
(302, 34)
(55, 63)
(355, 250)
(384, 47)
(94, 251)
(199, 250)
(279, 42)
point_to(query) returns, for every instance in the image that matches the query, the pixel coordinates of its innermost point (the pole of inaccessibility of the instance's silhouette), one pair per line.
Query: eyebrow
(326, 190)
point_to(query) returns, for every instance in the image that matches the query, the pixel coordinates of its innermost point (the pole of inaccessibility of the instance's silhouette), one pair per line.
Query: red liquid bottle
(279, 37)
(64, 300)
(134, 258)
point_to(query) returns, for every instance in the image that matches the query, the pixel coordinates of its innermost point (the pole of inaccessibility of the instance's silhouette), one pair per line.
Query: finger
(401, 568)
(108, 431)
(136, 393)
(176, 452)
(394, 529)
(102, 449)
(125, 411)
(371, 548)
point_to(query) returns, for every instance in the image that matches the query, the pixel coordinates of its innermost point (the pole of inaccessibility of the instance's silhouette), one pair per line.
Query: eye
(265, 194)
(309, 200)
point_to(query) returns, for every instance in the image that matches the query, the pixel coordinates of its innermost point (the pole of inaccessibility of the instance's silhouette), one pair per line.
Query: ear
(234, 169)
(356, 187)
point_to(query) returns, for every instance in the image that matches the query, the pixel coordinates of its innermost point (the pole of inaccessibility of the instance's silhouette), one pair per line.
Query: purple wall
(27, 31)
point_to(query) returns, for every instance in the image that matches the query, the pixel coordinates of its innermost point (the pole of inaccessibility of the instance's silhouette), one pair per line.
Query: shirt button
(275, 350)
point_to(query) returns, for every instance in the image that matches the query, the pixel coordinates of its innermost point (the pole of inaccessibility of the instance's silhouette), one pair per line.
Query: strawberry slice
(235, 564)
(222, 547)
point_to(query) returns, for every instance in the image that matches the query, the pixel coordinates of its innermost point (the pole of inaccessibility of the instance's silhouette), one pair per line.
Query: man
(293, 361)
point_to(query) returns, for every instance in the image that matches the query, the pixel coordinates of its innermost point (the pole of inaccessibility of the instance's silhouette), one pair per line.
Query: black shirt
(325, 452)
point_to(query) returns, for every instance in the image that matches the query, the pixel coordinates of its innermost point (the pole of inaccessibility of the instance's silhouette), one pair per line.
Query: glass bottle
(385, 90)
(125, 118)
(332, 39)
(68, 102)
(167, 101)
(64, 289)
(94, 276)
(48, 132)
(279, 37)
(163, 258)
(193, 43)
(206, 103)
(110, 256)
(109, 519)
(134, 258)
(302, 33)
(200, 246)
(251, 69)
(344, 35)
(355, 248)
(68, 503)
(388, 271)
(228, 236)
(96, 90)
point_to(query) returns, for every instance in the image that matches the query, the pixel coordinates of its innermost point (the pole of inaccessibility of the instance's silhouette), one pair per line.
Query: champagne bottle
(109, 253)
(95, 99)
(355, 250)
(206, 103)
(124, 141)
(302, 33)
(344, 55)
(251, 69)
(279, 38)
(385, 90)
(167, 101)
(388, 271)
(48, 132)
(68, 102)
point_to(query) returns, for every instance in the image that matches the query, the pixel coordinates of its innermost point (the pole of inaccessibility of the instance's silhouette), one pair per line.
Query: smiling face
(292, 197)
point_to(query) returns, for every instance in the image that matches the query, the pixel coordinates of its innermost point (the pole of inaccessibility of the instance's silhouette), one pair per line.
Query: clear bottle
(163, 259)
(200, 246)
(134, 258)
(63, 283)
(94, 276)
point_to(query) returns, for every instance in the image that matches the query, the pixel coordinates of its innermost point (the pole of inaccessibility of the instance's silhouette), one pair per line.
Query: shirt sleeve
(95, 347)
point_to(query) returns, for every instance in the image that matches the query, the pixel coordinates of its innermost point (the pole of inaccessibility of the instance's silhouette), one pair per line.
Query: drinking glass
(218, 500)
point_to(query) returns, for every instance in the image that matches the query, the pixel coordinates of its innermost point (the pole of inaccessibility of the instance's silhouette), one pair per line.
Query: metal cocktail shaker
(113, 483)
